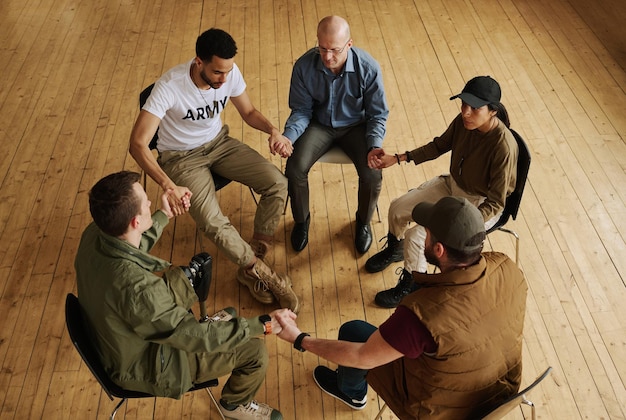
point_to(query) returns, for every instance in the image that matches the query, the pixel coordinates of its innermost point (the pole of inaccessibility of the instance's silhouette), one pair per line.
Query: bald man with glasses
(336, 98)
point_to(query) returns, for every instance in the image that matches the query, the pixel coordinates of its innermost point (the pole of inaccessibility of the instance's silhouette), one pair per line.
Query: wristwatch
(266, 320)
(297, 344)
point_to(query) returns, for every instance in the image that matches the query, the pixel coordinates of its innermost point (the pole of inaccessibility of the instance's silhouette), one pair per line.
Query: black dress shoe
(362, 237)
(300, 234)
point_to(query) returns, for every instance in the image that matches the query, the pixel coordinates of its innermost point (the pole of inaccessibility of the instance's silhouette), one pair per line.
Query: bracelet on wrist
(266, 320)
(398, 158)
(297, 343)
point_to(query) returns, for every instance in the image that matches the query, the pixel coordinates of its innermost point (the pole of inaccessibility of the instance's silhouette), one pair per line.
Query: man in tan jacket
(453, 347)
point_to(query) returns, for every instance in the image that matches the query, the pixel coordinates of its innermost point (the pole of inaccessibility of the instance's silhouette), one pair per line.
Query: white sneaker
(252, 411)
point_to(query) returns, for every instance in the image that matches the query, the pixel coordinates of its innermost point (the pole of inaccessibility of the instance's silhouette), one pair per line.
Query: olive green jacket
(141, 324)
(483, 164)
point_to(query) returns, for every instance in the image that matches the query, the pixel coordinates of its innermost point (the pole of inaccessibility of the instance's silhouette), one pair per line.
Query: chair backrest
(512, 204)
(143, 97)
(77, 329)
(517, 399)
(219, 181)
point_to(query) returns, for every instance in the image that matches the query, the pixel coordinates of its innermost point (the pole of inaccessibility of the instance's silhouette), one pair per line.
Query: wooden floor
(71, 75)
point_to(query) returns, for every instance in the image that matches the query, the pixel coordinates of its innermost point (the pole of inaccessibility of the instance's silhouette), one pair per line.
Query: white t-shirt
(190, 117)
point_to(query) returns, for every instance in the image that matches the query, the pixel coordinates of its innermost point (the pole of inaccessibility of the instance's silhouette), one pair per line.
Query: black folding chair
(77, 328)
(502, 409)
(512, 204)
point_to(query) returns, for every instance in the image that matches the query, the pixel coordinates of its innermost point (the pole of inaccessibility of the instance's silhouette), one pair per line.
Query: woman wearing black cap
(483, 168)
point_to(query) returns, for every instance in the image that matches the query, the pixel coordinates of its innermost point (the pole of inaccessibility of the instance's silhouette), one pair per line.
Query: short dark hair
(113, 202)
(215, 42)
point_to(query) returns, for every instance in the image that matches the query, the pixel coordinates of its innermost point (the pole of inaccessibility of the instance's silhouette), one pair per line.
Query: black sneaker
(391, 298)
(326, 379)
(393, 252)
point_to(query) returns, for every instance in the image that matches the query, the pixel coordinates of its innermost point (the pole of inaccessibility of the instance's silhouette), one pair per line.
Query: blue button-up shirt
(354, 96)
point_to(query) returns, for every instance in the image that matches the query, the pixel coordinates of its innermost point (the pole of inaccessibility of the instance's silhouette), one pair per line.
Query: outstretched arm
(278, 144)
(379, 159)
(374, 352)
(144, 129)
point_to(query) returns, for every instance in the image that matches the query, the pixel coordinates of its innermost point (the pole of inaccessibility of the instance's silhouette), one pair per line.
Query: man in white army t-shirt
(185, 106)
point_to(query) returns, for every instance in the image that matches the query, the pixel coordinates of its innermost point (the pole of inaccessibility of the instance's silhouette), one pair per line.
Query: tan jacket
(483, 164)
(476, 316)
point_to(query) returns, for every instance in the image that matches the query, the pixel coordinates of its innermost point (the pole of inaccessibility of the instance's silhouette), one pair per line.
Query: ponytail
(501, 113)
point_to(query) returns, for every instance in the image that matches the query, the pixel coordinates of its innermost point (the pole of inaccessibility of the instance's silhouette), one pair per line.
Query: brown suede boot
(278, 284)
(257, 288)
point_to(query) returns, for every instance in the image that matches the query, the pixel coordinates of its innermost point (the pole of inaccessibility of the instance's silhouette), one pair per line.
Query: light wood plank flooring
(71, 75)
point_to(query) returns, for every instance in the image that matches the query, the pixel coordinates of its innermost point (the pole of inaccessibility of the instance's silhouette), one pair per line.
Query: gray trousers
(316, 140)
(237, 161)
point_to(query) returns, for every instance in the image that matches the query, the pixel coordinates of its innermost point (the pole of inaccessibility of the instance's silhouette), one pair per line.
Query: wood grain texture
(72, 73)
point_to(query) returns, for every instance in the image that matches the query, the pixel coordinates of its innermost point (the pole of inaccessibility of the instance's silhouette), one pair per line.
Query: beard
(212, 84)
(430, 256)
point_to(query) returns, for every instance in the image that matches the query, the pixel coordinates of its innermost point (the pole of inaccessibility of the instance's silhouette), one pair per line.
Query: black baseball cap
(480, 91)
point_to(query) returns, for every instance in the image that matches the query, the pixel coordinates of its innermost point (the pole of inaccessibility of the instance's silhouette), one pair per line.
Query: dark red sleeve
(405, 332)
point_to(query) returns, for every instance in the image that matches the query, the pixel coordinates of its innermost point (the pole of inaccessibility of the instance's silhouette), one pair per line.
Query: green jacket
(143, 337)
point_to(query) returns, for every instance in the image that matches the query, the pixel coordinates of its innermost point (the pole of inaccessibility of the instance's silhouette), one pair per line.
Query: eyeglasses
(333, 51)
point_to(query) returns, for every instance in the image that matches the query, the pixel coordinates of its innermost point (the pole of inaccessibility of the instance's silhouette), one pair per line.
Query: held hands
(288, 330)
(178, 200)
(165, 205)
(378, 159)
(280, 145)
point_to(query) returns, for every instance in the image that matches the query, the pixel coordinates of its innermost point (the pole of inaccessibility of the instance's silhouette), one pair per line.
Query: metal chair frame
(513, 201)
(501, 410)
(516, 400)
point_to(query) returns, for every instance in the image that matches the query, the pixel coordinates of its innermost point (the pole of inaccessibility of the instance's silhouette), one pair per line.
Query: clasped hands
(378, 159)
(280, 145)
(284, 324)
(175, 201)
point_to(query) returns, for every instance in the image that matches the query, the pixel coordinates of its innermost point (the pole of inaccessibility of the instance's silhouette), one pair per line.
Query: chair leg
(200, 235)
(516, 242)
(117, 407)
(380, 413)
(217, 407)
(253, 196)
(532, 407)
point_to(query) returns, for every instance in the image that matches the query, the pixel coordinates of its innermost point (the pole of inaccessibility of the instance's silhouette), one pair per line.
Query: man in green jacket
(146, 337)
